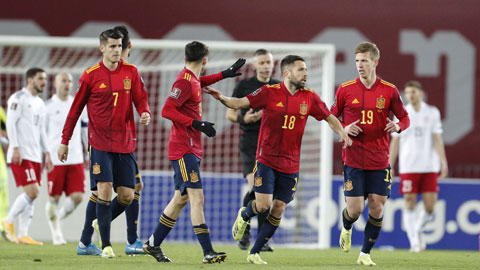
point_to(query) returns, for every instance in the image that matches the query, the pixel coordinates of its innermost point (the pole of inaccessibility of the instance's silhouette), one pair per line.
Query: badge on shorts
(127, 84)
(348, 185)
(303, 109)
(380, 103)
(194, 177)
(258, 181)
(96, 168)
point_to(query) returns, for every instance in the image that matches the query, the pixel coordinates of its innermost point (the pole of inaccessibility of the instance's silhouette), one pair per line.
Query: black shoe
(244, 243)
(266, 248)
(155, 252)
(214, 257)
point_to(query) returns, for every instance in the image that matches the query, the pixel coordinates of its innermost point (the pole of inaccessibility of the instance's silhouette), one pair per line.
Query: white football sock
(52, 218)
(423, 220)
(67, 208)
(18, 207)
(409, 221)
(25, 219)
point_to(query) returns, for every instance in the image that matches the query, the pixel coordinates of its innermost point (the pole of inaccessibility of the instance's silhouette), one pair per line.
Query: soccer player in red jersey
(184, 108)
(286, 107)
(109, 88)
(364, 105)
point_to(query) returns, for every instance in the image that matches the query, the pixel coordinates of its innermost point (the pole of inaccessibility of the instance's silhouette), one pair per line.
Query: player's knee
(33, 193)
(138, 187)
(125, 199)
(262, 206)
(76, 197)
(181, 200)
(375, 209)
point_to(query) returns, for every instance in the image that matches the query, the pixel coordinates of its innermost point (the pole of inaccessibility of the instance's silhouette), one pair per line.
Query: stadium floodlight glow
(159, 62)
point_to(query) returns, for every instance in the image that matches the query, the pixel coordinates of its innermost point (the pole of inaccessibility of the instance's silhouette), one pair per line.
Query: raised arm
(230, 102)
(227, 73)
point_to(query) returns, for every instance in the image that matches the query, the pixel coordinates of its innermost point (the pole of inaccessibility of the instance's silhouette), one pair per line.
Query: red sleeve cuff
(65, 141)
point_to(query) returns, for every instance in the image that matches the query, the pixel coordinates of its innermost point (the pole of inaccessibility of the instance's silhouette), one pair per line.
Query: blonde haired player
(421, 157)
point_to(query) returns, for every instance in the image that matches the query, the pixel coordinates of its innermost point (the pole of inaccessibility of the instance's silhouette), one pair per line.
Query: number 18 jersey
(283, 124)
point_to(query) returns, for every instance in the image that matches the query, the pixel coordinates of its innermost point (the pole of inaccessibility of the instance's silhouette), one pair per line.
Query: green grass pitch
(189, 256)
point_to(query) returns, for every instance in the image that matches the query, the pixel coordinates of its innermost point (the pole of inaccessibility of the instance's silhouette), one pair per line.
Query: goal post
(159, 61)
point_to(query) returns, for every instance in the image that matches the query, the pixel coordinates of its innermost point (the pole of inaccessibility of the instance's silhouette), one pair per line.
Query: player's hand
(352, 129)
(347, 142)
(48, 162)
(232, 71)
(62, 152)
(252, 116)
(145, 119)
(391, 126)
(213, 92)
(86, 163)
(443, 170)
(17, 157)
(205, 127)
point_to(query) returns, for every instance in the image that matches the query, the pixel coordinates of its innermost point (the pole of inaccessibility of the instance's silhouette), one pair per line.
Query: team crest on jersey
(258, 181)
(96, 168)
(13, 107)
(127, 84)
(380, 103)
(303, 109)
(194, 177)
(175, 93)
(348, 185)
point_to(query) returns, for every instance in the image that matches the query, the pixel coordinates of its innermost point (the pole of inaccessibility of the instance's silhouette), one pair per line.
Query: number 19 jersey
(283, 124)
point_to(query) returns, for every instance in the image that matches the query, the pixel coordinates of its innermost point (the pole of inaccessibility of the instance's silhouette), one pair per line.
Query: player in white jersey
(26, 133)
(68, 176)
(421, 157)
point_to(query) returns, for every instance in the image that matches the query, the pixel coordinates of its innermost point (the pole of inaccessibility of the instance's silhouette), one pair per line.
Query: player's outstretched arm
(230, 102)
(336, 126)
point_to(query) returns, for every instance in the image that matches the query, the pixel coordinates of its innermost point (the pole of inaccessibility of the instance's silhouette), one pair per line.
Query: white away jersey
(57, 111)
(25, 126)
(417, 152)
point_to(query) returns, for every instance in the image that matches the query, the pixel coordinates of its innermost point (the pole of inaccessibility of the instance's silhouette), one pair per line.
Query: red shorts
(27, 173)
(418, 182)
(68, 178)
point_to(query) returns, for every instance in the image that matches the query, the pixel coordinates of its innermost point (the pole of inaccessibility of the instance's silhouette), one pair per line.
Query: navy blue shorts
(187, 173)
(269, 181)
(120, 169)
(359, 182)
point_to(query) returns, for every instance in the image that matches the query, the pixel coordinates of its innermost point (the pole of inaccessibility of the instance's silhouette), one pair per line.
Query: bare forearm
(234, 103)
(232, 115)
(335, 124)
(394, 144)
(440, 147)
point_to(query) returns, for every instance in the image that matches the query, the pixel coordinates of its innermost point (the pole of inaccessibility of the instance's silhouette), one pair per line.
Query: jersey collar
(120, 63)
(374, 86)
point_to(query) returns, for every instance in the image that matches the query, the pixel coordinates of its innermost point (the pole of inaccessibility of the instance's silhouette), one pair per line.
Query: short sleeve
(181, 91)
(259, 97)
(437, 122)
(319, 109)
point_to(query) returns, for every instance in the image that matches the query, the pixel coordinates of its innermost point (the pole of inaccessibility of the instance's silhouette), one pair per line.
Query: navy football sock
(250, 195)
(372, 230)
(117, 208)
(268, 229)
(132, 219)
(347, 220)
(164, 226)
(90, 215)
(250, 211)
(262, 217)
(104, 218)
(203, 235)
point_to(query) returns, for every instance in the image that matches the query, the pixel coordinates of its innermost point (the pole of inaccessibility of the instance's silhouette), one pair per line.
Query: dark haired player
(109, 88)
(286, 107)
(184, 108)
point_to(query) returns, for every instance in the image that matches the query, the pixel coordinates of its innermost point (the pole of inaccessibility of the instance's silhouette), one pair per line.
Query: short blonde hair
(370, 47)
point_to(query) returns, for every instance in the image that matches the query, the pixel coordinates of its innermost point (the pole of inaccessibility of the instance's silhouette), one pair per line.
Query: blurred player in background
(66, 176)
(249, 121)
(108, 89)
(286, 107)
(3, 169)
(26, 133)
(184, 108)
(422, 156)
(364, 105)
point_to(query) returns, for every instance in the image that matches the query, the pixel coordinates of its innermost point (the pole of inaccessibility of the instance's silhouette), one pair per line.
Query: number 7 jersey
(283, 124)
(372, 107)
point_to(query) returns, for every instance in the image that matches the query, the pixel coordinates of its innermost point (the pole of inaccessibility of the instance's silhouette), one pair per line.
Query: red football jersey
(109, 96)
(283, 124)
(183, 106)
(372, 107)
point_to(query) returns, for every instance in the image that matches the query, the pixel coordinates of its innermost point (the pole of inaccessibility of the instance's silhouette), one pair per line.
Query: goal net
(306, 219)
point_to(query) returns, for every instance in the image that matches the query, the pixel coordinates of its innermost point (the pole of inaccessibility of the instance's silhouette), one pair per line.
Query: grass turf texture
(189, 256)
